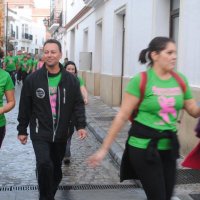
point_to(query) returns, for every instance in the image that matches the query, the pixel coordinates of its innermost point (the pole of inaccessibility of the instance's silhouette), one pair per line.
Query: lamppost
(6, 27)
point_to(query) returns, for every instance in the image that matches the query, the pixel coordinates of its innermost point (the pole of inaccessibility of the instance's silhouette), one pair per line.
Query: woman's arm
(129, 103)
(10, 98)
(192, 108)
(84, 94)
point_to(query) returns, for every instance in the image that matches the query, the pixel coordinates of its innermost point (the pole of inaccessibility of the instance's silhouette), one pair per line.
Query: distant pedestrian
(10, 65)
(49, 97)
(7, 89)
(152, 146)
(71, 67)
(65, 62)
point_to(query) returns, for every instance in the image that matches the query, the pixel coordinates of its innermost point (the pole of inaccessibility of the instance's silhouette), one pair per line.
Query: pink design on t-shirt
(53, 97)
(167, 107)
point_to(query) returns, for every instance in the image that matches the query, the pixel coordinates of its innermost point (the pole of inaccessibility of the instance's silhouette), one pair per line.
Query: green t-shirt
(19, 58)
(10, 62)
(81, 81)
(5, 85)
(54, 80)
(24, 65)
(160, 107)
(35, 62)
(30, 64)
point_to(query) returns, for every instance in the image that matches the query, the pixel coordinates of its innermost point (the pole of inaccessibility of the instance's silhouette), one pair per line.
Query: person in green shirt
(152, 146)
(10, 65)
(19, 58)
(71, 67)
(29, 63)
(7, 89)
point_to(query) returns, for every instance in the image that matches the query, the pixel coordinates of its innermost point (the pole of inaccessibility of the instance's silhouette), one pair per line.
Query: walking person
(7, 89)
(48, 98)
(71, 67)
(10, 65)
(152, 145)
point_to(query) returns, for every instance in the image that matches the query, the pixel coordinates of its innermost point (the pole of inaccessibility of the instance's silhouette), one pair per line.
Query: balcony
(94, 3)
(55, 20)
(26, 37)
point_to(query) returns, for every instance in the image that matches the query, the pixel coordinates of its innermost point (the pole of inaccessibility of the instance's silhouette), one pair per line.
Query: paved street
(17, 164)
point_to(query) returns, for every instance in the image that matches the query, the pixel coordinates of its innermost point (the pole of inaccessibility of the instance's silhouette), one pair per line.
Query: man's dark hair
(157, 44)
(50, 41)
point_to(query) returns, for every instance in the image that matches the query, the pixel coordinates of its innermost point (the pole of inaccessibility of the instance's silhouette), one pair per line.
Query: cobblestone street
(17, 164)
(18, 161)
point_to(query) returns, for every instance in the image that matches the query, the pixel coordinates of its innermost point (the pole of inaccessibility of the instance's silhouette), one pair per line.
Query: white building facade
(105, 37)
(24, 32)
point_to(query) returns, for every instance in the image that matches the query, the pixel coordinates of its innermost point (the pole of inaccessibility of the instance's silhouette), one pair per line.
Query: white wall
(144, 20)
(73, 7)
(189, 41)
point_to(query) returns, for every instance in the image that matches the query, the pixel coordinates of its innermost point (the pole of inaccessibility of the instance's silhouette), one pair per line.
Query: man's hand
(82, 133)
(22, 138)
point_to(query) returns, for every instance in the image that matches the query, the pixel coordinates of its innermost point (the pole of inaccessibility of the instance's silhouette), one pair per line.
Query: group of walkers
(21, 65)
(52, 104)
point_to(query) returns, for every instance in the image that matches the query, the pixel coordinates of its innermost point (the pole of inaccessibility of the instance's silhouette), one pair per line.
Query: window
(174, 19)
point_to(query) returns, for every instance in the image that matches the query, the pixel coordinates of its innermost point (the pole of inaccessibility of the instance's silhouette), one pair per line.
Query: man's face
(52, 54)
(10, 53)
(19, 53)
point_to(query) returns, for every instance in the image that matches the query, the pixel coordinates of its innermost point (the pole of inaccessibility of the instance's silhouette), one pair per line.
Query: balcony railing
(27, 36)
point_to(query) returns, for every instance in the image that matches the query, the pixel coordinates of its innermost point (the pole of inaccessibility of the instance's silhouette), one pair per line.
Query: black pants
(19, 75)
(157, 178)
(23, 76)
(12, 75)
(2, 134)
(49, 158)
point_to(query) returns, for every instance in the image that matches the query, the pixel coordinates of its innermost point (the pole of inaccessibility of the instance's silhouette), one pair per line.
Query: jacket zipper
(64, 97)
(58, 117)
(51, 110)
(37, 126)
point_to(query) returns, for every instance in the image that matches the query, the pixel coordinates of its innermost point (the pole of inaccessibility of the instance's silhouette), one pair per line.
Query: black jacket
(35, 108)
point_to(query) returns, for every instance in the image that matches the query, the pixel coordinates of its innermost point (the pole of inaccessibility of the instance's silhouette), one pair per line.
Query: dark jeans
(23, 76)
(157, 178)
(19, 75)
(49, 158)
(2, 134)
(12, 75)
(68, 146)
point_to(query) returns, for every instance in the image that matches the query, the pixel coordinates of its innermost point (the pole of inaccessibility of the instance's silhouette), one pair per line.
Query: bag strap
(143, 82)
(180, 81)
(183, 86)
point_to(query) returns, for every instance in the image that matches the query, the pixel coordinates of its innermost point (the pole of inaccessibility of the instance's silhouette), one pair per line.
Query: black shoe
(67, 160)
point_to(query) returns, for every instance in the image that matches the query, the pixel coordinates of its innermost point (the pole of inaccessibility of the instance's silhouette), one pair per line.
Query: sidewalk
(99, 119)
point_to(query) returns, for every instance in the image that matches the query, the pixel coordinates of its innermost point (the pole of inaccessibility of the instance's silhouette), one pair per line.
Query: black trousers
(157, 178)
(2, 134)
(12, 75)
(49, 158)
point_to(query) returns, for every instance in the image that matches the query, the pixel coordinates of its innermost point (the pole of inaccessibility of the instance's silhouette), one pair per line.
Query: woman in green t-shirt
(71, 67)
(152, 147)
(7, 89)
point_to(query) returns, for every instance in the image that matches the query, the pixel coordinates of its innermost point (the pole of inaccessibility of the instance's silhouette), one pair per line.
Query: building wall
(1, 23)
(112, 69)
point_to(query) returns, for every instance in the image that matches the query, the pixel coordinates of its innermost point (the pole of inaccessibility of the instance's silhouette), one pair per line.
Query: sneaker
(66, 160)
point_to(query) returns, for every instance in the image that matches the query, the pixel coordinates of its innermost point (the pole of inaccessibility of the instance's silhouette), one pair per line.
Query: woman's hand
(96, 159)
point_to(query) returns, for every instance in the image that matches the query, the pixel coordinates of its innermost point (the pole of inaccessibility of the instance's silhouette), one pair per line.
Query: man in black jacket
(49, 97)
